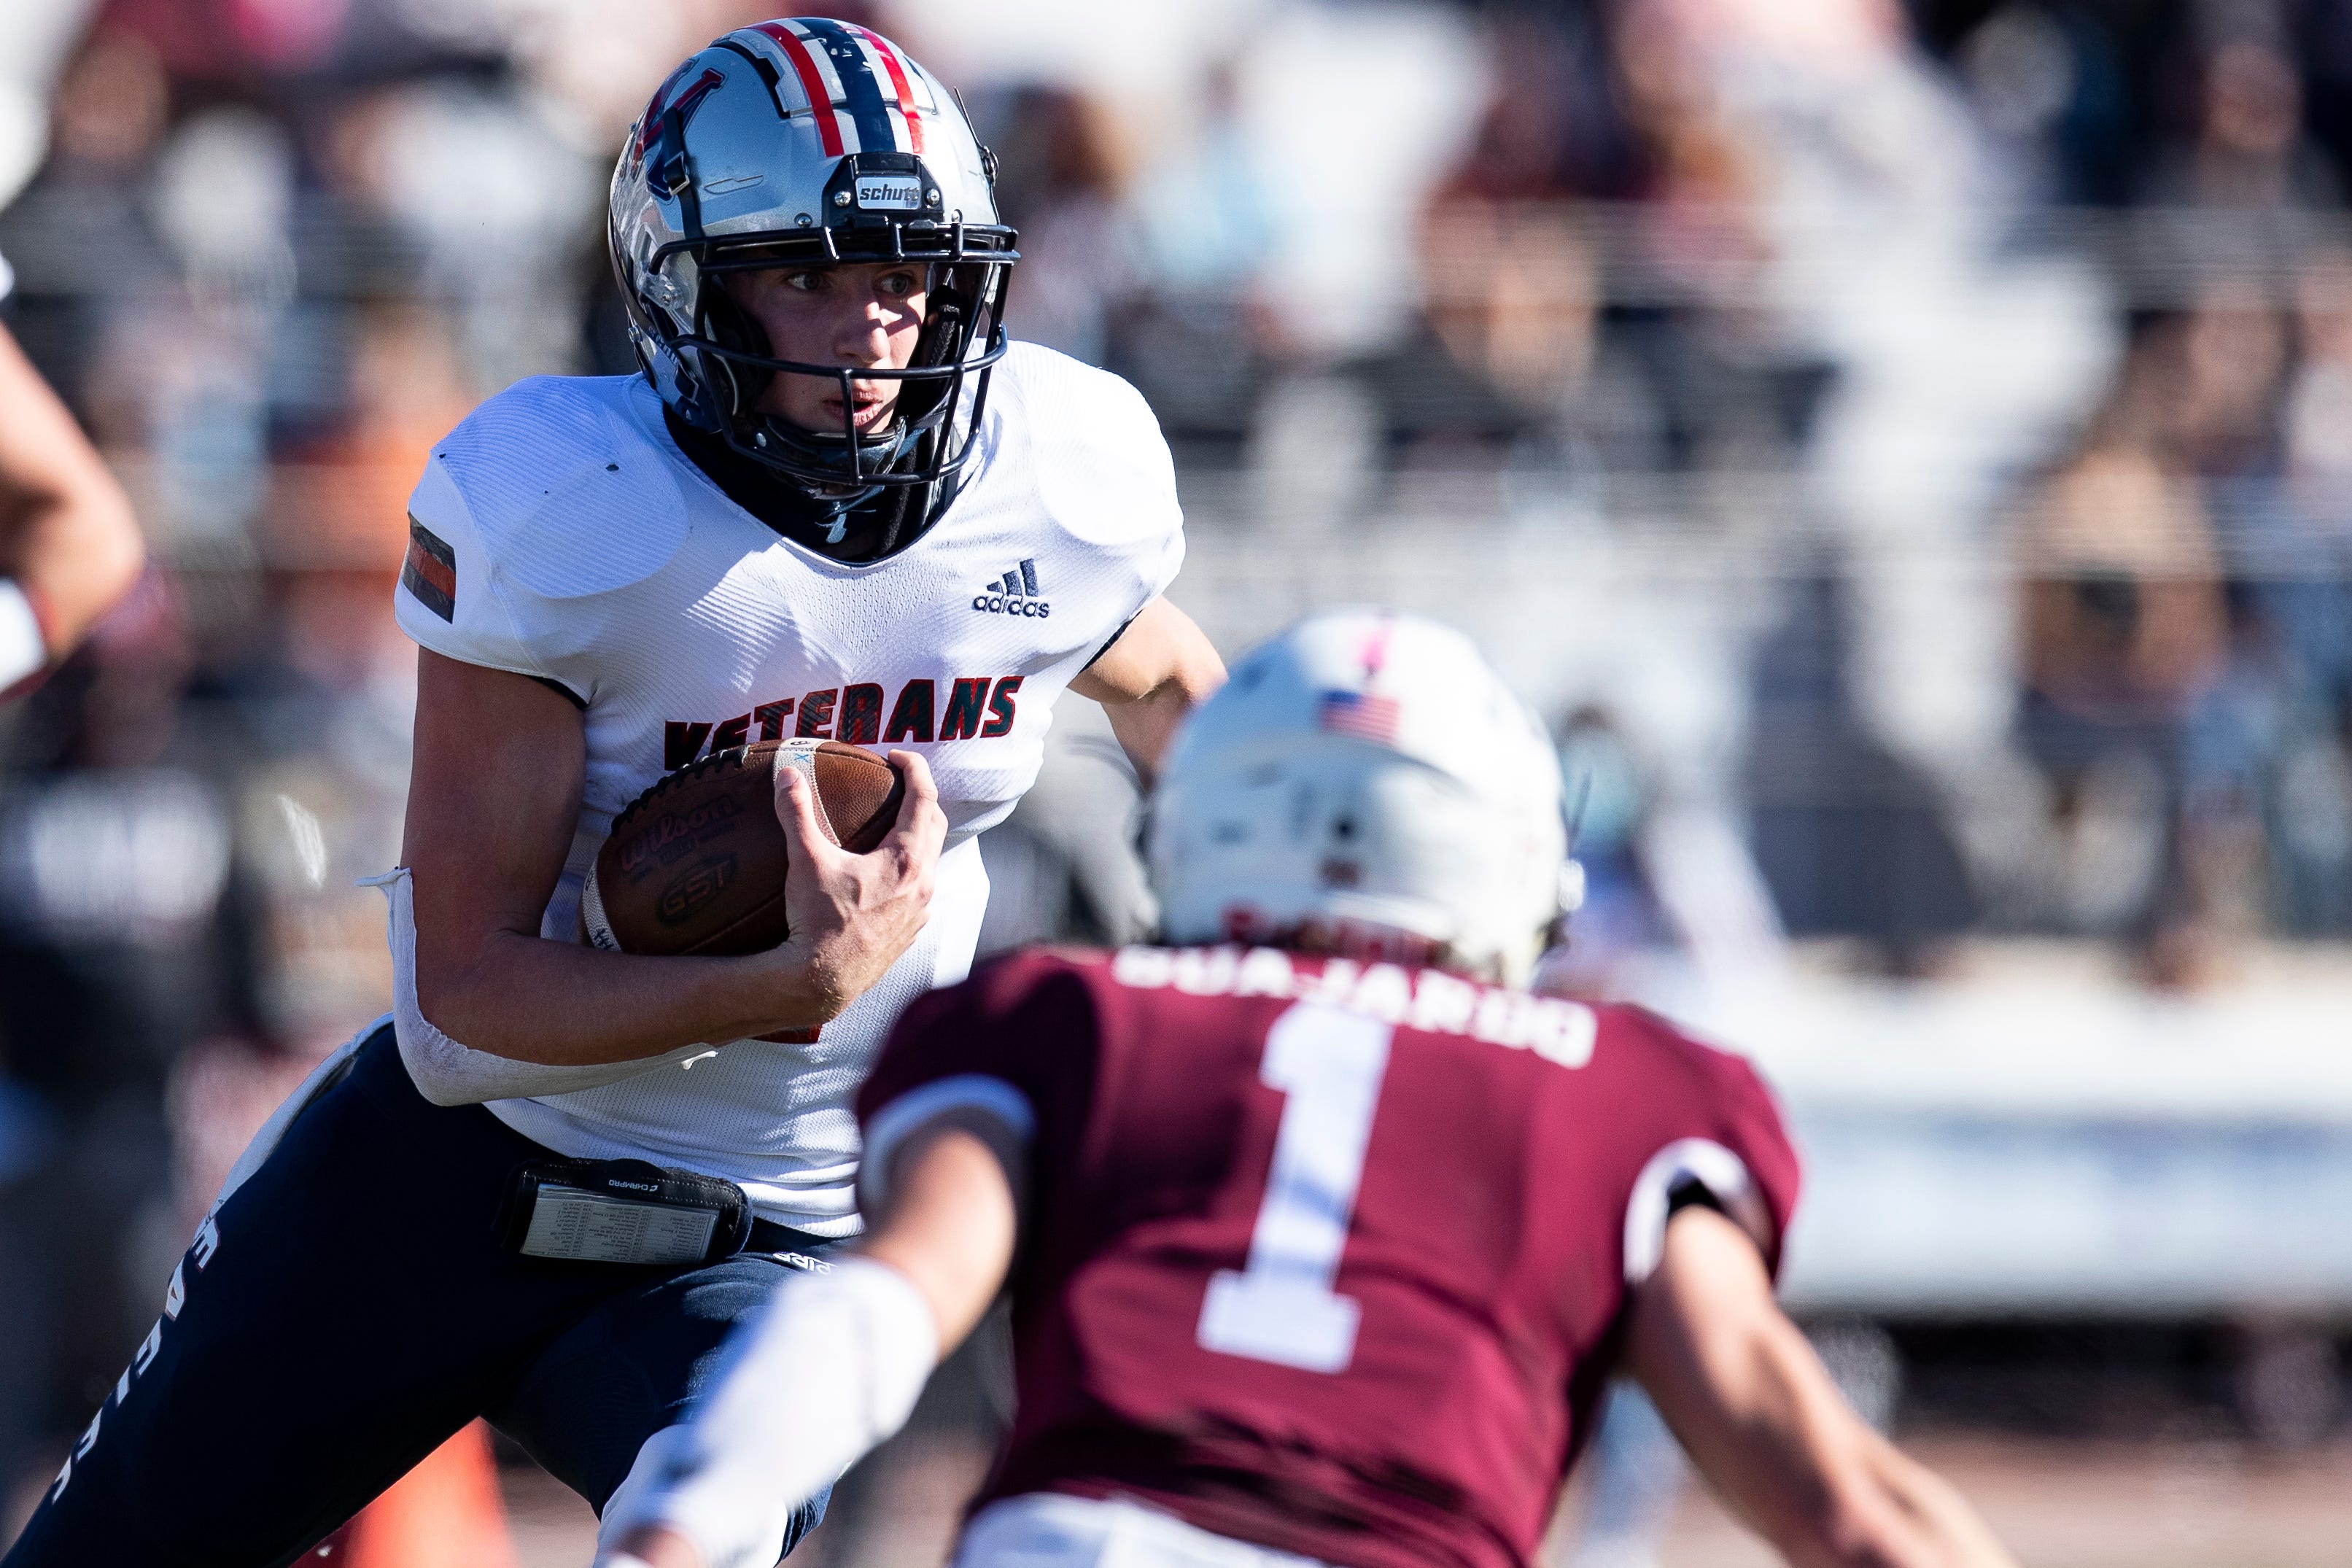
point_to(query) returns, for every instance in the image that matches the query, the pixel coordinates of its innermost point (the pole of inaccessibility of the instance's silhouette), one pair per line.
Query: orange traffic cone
(445, 1513)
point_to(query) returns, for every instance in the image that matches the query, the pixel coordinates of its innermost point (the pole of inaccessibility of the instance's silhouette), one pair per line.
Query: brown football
(696, 863)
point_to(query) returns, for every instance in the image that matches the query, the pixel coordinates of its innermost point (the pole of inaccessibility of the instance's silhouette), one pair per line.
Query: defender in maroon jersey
(1327, 1258)
(1320, 1257)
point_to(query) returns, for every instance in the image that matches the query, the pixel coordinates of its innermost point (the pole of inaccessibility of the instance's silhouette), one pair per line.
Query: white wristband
(22, 648)
(830, 1368)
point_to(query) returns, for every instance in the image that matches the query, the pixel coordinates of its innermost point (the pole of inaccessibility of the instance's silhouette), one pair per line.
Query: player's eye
(898, 285)
(806, 282)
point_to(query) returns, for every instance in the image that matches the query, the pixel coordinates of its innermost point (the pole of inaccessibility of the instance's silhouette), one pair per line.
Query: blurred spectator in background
(113, 103)
(1508, 367)
(1490, 377)
(2239, 863)
(2310, 586)
(2124, 641)
(1509, 317)
(1675, 904)
(1612, 796)
(2246, 152)
(476, 183)
(1063, 182)
(1853, 840)
(1198, 340)
(2192, 635)
(339, 498)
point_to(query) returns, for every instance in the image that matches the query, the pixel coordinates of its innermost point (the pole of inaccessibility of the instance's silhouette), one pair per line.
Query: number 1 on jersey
(1282, 1308)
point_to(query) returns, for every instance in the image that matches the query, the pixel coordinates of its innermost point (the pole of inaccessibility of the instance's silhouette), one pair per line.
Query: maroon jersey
(1326, 1257)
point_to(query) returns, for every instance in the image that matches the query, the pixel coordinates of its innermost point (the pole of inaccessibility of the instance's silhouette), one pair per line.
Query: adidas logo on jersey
(1014, 594)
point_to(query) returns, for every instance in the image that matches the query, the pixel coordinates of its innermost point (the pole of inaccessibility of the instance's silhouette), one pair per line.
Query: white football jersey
(559, 533)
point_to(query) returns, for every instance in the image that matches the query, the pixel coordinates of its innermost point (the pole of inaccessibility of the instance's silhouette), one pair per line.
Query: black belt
(634, 1212)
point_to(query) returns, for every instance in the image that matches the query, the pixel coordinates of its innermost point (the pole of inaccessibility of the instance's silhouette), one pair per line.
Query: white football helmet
(1366, 783)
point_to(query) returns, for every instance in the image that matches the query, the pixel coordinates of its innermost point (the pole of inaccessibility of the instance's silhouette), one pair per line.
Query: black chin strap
(866, 529)
(880, 455)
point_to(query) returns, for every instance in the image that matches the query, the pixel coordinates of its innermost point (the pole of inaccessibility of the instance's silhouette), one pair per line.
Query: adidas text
(998, 605)
(1014, 594)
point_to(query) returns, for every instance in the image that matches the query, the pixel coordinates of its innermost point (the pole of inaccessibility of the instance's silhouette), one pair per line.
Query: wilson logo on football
(1014, 594)
(675, 834)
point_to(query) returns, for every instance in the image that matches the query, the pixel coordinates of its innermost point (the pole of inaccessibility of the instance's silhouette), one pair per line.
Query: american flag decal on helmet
(1363, 714)
(859, 91)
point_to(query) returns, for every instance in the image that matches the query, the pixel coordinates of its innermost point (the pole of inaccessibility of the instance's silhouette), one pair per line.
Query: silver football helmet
(800, 143)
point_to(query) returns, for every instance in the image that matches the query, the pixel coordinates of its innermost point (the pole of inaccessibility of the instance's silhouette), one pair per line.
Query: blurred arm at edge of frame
(67, 539)
(1752, 1405)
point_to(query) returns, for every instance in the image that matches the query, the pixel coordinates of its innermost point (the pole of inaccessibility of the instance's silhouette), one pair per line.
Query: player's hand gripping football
(853, 915)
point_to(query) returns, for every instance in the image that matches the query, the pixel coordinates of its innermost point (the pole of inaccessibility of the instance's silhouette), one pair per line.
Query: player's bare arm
(1160, 668)
(1759, 1415)
(69, 543)
(949, 1221)
(491, 810)
(947, 1228)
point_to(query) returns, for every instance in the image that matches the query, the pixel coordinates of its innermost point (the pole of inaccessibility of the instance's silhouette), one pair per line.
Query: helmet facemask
(941, 394)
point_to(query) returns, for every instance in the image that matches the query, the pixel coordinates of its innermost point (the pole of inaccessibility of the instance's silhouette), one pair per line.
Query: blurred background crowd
(1905, 446)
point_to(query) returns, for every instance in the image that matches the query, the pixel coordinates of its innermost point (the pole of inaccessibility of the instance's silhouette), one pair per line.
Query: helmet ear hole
(734, 329)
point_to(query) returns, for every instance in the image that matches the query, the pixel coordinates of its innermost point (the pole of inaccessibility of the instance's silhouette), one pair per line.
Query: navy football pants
(348, 1309)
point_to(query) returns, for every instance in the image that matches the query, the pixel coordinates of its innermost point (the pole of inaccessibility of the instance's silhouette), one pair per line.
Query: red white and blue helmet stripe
(860, 89)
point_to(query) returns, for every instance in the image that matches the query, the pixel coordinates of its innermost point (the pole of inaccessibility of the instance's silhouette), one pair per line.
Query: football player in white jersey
(837, 504)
